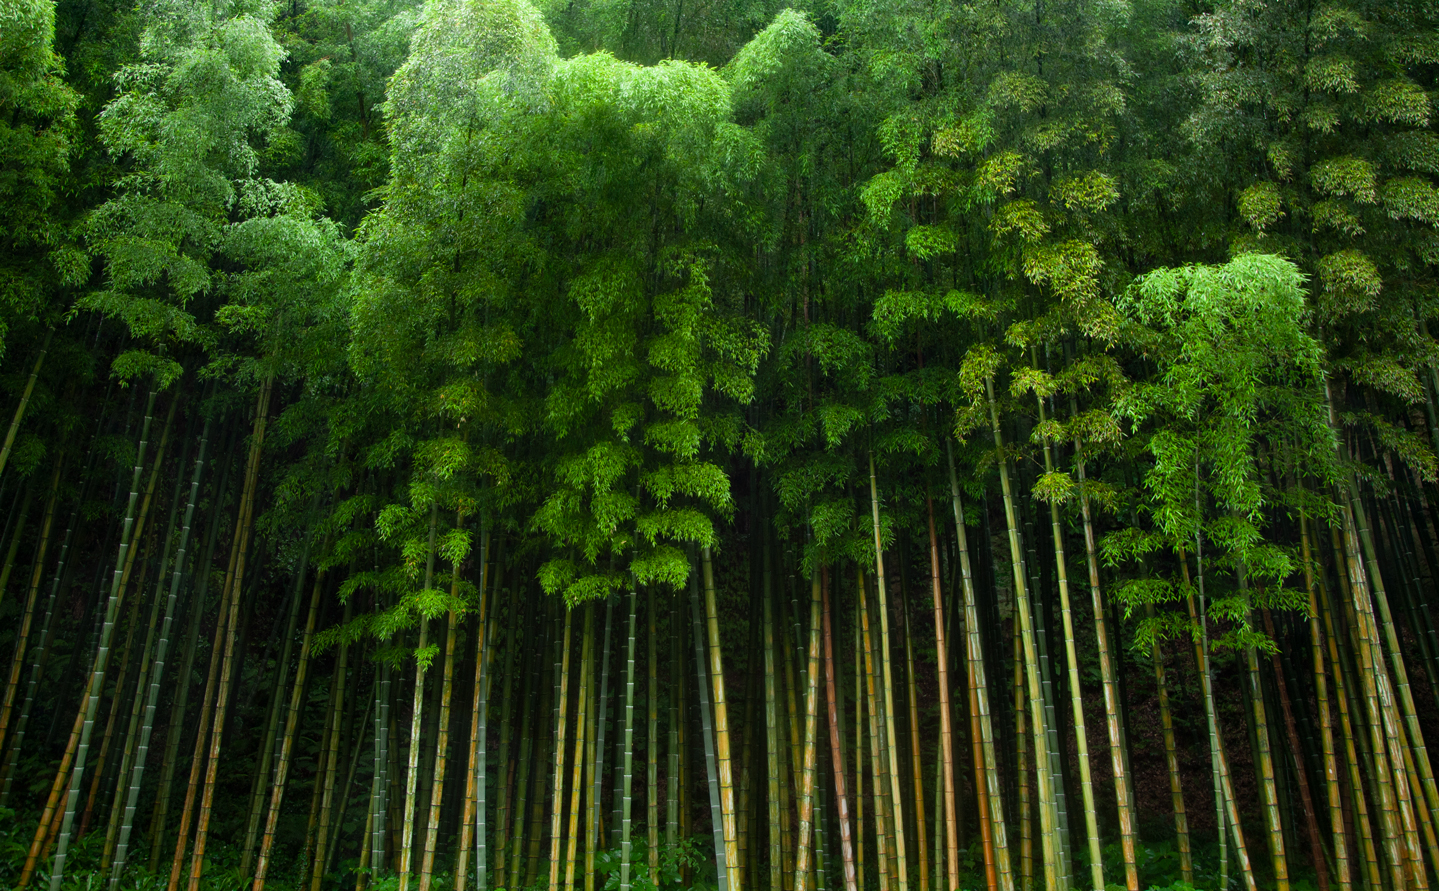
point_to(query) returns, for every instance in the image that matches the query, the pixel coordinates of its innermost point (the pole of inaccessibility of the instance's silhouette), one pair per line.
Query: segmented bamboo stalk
(707, 731)
(467, 818)
(1056, 870)
(946, 732)
(508, 675)
(577, 784)
(287, 742)
(672, 763)
(859, 730)
(921, 831)
(773, 744)
(227, 669)
(24, 401)
(1316, 848)
(841, 797)
(1021, 767)
(272, 719)
(97, 673)
(627, 758)
(999, 872)
(1269, 794)
(417, 709)
(592, 802)
(652, 744)
(442, 750)
(721, 728)
(562, 704)
(891, 746)
(882, 815)
(1337, 833)
(1118, 758)
(811, 712)
(332, 755)
(157, 670)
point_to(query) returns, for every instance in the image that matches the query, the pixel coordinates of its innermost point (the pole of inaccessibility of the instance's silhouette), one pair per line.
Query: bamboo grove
(659, 444)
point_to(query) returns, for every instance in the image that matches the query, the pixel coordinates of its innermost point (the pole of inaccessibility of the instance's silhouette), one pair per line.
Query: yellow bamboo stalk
(722, 735)
(892, 747)
(561, 714)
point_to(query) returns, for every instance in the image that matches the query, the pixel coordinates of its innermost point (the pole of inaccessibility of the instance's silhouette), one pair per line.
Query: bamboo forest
(571, 445)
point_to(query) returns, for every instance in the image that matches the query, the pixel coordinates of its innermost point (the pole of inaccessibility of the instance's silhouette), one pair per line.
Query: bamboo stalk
(652, 744)
(81, 742)
(486, 633)
(946, 732)
(1118, 759)
(891, 746)
(442, 748)
(287, 742)
(1021, 767)
(807, 768)
(24, 401)
(1056, 870)
(1171, 760)
(332, 756)
(515, 626)
(244, 528)
(593, 744)
(1337, 832)
(417, 709)
(851, 876)
(707, 731)
(773, 744)
(860, 674)
(999, 871)
(627, 741)
(1316, 848)
(577, 784)
(467, 818)
(882, 815)
(22, 640)
(562, 704)
(721, 727)
(14, 549)
(921, 831)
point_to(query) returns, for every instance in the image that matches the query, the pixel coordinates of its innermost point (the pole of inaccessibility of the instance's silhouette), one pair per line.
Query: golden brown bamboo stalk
(1171, 760)
(562, 713)
(836, 749)
(227, 668)
(721, 729)
(332, 757)
(915, 763)
(811, 713)
(882, 815)
(577, 782)
(467, 817)
(287, 741)
(859, 676)
(1316, 848)
(946, 732)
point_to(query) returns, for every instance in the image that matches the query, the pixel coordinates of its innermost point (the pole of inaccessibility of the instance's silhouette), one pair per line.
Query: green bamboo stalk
(486, 632)
(999, 872)
(530, 705)
(652, 744)
(562, 706)
(162, 648)
(102, 657)
(807, 768)
(508, 675)
(891, 746)
(859, 732)
(1056, 870)
(180, 707)
(707, 730)
(627, 758)
(672, 764)
(1269, 794)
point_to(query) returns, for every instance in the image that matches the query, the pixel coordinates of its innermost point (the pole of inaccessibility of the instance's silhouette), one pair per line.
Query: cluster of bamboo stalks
(839, 749)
